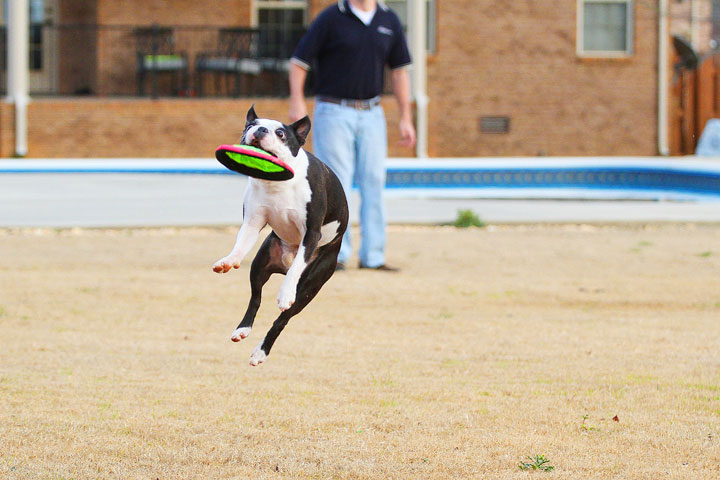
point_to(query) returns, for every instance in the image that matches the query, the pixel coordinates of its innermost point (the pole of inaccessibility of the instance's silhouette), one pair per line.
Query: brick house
(504, 77)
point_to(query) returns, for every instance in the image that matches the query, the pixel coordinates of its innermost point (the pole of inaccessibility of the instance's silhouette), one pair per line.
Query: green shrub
(537, 463)
(467, 218)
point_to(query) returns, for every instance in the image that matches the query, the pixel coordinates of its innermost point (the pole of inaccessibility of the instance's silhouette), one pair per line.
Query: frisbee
(253, 162)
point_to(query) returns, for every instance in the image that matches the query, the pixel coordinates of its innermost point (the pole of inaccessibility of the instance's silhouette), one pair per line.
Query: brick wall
(494, 57)
(77, 128)
(175, 12)
(7, 129)
(135, 127)
(518, 58)
(317, 6)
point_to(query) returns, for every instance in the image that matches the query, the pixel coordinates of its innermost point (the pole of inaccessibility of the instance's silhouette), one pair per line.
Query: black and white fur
(308, 215)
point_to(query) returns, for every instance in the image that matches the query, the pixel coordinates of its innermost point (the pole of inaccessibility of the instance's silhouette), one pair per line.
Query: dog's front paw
(286, 298)
(258, 355)
(225, 264)
(240, 333)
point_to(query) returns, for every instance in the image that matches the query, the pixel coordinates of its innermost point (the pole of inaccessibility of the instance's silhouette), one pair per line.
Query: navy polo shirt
(348, 57)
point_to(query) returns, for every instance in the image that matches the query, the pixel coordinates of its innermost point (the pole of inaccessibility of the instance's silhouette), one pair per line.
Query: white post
(417, 13)
(17, 71)
(663, 83)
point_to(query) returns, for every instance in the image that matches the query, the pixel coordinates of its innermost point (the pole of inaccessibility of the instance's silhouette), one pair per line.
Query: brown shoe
(381, 268)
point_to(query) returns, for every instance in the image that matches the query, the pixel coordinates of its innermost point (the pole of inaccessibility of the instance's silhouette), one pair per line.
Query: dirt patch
(595, 346)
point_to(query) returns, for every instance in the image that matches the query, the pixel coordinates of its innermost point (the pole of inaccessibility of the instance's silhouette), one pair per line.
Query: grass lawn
(597, 347)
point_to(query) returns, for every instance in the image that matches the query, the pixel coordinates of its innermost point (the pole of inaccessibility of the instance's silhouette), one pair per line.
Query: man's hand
(401, 89)
(407, 133)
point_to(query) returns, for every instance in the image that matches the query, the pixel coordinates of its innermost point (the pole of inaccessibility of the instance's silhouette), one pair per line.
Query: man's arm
(401, 90)
(298, 109)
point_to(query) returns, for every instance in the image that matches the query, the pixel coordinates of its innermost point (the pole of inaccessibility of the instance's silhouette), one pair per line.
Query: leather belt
(346, 102)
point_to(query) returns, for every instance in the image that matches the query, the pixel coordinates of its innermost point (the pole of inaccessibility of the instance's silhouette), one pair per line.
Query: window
(401, 8)
(36, 19)
(605, 28)
(282, 23)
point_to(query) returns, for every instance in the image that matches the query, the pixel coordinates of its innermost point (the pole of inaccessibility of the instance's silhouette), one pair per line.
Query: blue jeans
(353, 143)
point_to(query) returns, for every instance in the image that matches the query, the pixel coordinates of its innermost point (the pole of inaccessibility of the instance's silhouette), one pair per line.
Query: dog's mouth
(256, 143)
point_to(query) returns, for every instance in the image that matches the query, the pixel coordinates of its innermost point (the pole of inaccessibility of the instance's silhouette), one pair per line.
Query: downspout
(18, 53)
(418, 13)
(663, 91)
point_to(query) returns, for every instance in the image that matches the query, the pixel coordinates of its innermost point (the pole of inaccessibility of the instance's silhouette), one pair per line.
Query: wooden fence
(695, 99)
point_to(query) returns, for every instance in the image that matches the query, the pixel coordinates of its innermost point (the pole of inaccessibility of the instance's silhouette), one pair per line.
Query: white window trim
(629, 52)
(431, 32)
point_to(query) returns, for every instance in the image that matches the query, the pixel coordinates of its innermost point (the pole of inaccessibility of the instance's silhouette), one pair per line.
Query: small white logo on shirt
(385, 30)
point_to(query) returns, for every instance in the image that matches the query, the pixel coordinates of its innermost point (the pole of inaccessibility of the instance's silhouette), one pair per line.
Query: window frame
(257, 5)
(430, 29)
(629, 50)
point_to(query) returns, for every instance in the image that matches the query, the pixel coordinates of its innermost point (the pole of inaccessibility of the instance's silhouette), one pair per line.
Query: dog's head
(283, 141)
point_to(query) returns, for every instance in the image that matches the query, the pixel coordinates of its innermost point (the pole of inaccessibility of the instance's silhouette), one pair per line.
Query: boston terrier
(308, 215)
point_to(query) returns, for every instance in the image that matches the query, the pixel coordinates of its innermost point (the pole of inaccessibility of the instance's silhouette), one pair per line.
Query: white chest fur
(282, 204)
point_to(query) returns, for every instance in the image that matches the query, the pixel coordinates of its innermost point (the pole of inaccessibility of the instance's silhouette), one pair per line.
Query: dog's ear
(251, 116)
(301, 129)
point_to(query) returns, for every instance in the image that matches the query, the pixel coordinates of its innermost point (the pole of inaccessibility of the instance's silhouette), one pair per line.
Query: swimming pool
(677, 178)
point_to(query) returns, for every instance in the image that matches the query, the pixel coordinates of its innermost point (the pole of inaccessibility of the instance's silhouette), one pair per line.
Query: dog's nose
(260, 133)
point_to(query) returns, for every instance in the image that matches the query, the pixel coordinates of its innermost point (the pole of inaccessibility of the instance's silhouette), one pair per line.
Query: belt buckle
(358, 104)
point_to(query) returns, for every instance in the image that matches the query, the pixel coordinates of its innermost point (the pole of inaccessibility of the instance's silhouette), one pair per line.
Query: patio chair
(156, 55)
(276, 47)
(235, 57)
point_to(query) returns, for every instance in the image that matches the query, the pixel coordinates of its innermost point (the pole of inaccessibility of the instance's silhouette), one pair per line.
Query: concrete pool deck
(136, 192)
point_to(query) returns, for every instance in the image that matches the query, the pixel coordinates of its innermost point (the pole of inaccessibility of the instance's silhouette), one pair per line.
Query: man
(348, 46)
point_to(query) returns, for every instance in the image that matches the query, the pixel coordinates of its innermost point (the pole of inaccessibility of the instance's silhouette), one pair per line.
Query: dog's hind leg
(318, 271)
(267, 261)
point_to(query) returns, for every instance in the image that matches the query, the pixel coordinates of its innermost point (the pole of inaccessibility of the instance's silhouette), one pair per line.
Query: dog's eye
(280, 133)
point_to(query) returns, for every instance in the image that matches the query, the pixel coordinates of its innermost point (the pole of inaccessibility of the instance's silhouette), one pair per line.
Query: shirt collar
(344, 7)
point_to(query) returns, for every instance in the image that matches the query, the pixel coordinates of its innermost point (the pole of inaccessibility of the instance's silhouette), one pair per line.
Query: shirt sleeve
(309, 46)
(399, 54)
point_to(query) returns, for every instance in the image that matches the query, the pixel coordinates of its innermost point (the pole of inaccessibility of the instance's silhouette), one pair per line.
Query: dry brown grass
(491, 345)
